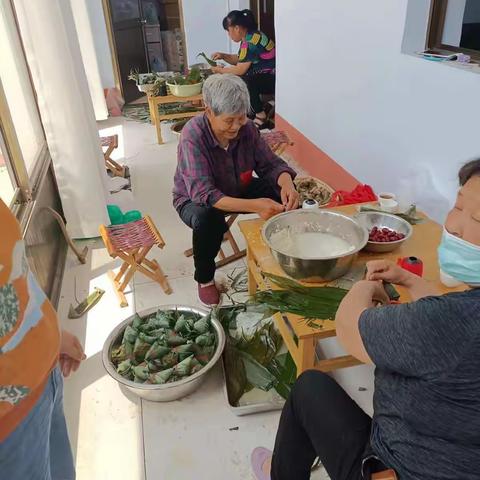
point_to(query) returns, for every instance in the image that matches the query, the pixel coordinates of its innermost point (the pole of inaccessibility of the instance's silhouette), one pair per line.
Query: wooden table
(156, 117)
(300, 338)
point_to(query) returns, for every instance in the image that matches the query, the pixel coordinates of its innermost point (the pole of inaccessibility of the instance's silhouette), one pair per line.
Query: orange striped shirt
(29, 332)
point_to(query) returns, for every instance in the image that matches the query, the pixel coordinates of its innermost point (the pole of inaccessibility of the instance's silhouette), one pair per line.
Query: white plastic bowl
(185, 90)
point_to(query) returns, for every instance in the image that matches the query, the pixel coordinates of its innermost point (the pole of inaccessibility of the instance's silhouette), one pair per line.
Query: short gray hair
(226, 94)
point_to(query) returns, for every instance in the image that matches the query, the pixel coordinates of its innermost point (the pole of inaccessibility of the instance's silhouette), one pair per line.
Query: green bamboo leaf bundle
(211, 62)
(308, 302)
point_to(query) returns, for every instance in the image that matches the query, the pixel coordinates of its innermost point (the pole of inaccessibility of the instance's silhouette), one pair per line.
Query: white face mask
(459, 259)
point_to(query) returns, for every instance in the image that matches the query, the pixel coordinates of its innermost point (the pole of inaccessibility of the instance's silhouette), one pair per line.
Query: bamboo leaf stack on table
(311, 303)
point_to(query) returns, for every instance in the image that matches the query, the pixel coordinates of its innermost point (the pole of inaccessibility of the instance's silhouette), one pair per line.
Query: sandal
(261, 122)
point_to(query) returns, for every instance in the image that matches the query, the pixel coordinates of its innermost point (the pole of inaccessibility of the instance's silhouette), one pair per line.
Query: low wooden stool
(228, 237)
(117, 170)
(131, 242)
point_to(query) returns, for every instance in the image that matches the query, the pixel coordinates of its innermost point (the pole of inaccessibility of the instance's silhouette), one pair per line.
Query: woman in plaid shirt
(217, 155)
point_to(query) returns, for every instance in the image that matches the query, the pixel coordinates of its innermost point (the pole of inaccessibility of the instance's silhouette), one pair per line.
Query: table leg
(156, 120)
(306, 347)
(252, 283)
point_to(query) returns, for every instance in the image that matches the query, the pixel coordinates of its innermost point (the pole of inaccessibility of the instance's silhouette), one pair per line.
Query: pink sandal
(258, 458)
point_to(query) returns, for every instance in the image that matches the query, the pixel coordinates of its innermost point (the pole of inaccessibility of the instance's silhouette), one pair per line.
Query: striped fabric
(259, 50)
(29, 334)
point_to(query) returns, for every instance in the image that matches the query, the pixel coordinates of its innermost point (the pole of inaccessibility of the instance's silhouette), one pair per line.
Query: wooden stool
(277, 140)
(117, 170)
(228, 237)
(131, 242)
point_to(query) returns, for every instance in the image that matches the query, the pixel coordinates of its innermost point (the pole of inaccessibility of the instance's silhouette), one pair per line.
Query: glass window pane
(124, 10)
(462, 24)
(18, 89)
(7, 187)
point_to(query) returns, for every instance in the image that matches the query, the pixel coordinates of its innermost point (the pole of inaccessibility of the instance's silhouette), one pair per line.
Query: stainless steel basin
(318, 269)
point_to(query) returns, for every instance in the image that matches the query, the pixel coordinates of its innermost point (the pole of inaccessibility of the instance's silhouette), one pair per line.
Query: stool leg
(121, 296)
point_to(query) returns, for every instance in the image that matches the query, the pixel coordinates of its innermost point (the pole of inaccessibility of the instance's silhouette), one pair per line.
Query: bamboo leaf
(257, 374)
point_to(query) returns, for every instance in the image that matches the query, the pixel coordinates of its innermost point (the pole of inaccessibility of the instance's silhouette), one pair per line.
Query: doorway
(148, 36)
(264, 11)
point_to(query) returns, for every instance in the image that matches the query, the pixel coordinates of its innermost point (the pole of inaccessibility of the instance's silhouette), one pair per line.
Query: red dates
(384, 235)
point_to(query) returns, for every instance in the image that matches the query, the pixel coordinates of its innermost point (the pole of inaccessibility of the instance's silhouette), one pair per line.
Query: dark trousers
(320, 420)
(259, 84)
(209, 226)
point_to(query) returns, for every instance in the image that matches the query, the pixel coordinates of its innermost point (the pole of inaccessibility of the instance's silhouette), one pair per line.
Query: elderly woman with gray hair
(217, 155)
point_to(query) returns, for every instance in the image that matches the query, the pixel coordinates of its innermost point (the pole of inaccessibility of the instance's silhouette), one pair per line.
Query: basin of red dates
(384, 235)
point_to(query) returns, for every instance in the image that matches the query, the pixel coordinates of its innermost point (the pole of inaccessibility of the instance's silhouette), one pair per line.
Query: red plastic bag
(360, 194)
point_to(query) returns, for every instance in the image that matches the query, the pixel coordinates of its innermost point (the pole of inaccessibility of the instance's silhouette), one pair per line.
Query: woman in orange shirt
(33, 355)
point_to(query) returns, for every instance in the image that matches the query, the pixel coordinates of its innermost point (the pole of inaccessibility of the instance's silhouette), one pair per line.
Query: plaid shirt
(206, 172)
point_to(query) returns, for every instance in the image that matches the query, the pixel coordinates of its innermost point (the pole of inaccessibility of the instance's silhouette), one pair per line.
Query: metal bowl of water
(168, 391)
(321, 268)
(384, 220)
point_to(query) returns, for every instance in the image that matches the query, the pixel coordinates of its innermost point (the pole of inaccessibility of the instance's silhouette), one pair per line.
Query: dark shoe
(209, 295)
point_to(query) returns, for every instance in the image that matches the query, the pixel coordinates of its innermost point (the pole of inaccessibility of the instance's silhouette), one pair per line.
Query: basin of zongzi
(163, 353)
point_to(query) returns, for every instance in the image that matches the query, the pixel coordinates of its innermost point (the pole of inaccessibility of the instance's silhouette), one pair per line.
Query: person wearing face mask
(218, 153)
(426, 420)
(255, 61)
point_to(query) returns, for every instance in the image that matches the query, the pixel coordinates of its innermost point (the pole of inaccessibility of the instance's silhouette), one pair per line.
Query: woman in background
(255, 61)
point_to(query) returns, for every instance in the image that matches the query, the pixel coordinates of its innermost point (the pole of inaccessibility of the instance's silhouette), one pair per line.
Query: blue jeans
(39, 448)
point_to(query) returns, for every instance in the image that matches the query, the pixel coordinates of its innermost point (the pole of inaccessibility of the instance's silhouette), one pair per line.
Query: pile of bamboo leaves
(311, 303)
(254, 360)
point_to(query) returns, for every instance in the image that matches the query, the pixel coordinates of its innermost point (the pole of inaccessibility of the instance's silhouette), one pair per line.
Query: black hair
(240, 18)
(469, 170)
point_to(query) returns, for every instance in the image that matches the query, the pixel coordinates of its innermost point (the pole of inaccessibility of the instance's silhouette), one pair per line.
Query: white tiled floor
(114, 435)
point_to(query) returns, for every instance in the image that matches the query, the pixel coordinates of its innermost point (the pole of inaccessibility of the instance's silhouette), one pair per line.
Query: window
(7, 182)
(18, 91)
(455, 27)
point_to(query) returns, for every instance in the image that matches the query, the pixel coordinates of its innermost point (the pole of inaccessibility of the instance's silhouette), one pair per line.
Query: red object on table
(411, 264)
(360, 194)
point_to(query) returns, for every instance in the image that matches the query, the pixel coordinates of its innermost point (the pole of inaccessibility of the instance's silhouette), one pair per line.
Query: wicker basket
(311, 187)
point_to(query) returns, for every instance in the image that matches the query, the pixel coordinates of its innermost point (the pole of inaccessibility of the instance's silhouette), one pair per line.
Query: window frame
(435, 32)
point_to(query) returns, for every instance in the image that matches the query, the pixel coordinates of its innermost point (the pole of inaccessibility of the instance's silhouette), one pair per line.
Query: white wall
(203, 26)
(394, 121)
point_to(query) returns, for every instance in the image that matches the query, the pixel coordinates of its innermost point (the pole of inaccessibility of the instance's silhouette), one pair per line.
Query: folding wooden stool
(131, 242)
(117, 170)
(277, 140)
(228, 237)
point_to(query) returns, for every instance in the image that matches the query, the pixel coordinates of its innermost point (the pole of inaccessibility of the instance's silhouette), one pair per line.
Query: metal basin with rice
(168, 391)
(384, 220)
(321, 268)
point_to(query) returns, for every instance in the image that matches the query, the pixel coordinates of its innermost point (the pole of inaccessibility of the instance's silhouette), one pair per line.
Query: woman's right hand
(387, 271)
(217, 56)
(267, 208)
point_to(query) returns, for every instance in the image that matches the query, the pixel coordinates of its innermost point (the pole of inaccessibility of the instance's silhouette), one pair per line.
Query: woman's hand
(71, 353)
(218, 69)
(267, 208)
(218, 56)
(387, 271)
(372, 291)
(288, 193)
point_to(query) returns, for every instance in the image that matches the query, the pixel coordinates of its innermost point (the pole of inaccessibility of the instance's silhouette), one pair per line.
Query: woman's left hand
(289, 195)
(71, 353)
(217, 69)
